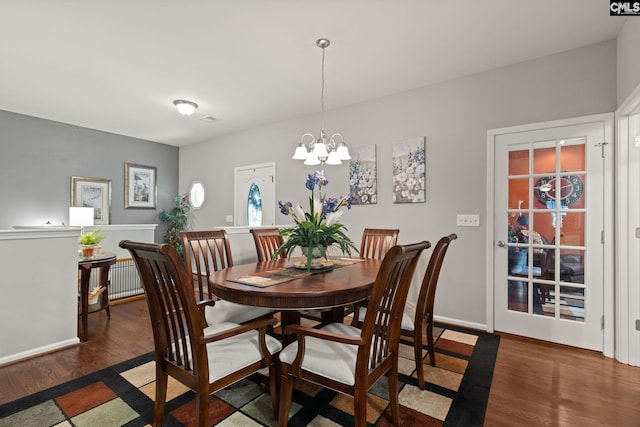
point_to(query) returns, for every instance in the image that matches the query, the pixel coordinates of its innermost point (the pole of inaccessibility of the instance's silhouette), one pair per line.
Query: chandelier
(332, 150)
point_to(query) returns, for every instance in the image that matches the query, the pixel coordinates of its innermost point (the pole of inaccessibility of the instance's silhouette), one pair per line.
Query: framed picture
(363, 175)
(92, 193)
(139, 186)
(409, 174)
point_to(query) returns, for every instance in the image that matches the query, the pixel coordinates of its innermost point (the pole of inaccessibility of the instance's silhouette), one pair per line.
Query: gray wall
(628, 58)
(38, 158)
(455, 117)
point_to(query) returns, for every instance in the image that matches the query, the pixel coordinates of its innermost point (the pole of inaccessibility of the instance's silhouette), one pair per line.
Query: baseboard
(463, 323)
(6, 360)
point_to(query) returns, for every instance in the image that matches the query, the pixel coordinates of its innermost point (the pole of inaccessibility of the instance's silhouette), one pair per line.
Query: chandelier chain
(322, 94)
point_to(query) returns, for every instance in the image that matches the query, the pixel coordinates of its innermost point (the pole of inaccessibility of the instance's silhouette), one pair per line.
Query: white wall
(628, 44)
(39, 303)
(454, 116)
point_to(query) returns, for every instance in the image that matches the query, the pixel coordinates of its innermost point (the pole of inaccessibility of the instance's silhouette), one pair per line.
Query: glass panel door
(548, 260)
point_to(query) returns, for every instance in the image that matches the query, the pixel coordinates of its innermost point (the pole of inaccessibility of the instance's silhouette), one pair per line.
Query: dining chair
(348, 359)
(376, 242)
(204, 253)
(267, 240)
(417, 317)
(203, 358)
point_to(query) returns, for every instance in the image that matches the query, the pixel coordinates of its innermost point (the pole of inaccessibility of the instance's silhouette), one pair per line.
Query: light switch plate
(468, 220)
(638, 232)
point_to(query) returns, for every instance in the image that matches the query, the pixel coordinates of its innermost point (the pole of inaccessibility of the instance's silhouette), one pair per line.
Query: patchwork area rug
(122, 395)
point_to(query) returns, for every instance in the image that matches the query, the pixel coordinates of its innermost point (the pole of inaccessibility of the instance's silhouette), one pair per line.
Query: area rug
(122, 395)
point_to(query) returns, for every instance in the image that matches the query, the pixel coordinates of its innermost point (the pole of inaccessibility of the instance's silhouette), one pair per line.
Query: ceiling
(117, 65)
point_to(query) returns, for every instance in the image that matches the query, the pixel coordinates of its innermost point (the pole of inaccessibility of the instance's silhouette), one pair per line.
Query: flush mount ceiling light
(322, 150)
(185, 107)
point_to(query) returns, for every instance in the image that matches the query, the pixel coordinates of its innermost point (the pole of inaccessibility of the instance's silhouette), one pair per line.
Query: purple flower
(348, 199)
(329, 205)
(316, 178)
(284, 207)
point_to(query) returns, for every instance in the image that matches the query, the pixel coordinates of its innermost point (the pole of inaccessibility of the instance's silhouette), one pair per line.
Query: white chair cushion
(234, 353)
(330, 359)
(227, 311)
(408, 316)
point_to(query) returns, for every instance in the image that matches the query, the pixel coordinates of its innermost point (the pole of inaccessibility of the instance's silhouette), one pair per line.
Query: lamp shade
(184, 107)
(80, 217)
(333, 159)
(301, 153)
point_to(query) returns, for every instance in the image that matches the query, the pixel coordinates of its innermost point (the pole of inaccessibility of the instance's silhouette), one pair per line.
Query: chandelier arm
(333, 143)
(310, 143)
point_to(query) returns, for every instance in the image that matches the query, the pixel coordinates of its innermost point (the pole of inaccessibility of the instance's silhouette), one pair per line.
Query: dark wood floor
(534, 383)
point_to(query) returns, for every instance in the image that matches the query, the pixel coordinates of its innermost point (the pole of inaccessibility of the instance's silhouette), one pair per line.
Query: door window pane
(572, 303)
(519, 194)
(572, 158)
(254, 206)
(544, 157)
(519, 159)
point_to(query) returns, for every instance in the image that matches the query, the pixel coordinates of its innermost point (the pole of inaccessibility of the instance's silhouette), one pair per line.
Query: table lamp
(80, 217)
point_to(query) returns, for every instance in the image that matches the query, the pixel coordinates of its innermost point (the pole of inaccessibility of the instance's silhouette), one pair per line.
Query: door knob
(501, 243)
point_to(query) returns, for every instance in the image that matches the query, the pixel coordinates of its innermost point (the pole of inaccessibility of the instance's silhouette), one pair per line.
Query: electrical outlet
(466, 220)
(229, 218)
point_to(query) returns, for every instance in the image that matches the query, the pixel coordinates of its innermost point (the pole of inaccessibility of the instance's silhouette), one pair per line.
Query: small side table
(103, 263)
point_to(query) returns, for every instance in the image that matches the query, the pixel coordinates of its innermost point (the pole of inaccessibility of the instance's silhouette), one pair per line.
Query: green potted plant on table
(318, 229)
(89, 240)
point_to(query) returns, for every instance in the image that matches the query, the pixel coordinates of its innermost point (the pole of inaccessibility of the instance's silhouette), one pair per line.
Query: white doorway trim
(608, 233)
(627, 222)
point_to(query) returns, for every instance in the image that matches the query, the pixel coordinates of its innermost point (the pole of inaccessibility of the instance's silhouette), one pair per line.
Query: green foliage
(91, 238)
(177, 220)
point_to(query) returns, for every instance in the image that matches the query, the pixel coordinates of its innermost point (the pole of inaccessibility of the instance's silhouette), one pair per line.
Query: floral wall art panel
(409, 170)
(362, 175)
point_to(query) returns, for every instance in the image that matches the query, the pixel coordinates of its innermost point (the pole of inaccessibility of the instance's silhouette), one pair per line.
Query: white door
(255, 195)
(548, 229)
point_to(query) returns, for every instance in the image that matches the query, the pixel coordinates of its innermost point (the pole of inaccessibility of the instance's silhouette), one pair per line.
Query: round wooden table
(328, 290)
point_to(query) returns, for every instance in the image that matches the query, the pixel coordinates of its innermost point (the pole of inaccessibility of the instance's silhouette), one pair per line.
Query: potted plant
(178, 220)
(89, 240)
(314, 231)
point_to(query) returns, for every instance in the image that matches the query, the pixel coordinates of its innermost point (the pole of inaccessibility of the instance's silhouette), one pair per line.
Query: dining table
(286, 286)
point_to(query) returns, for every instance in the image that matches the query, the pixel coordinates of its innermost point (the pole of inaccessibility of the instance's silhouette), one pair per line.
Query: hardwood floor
(534, 383)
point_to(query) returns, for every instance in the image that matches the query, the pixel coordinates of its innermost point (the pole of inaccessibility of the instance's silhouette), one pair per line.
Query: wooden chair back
(175, 319)
(377, 344)
(267, 240)
(204, 253)
(381, 325)
(181, 346)
(424, 306)
(376, 242)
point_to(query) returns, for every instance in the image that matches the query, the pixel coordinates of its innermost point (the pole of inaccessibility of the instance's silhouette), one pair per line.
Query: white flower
(317, 206)
(298, 213)
(333, 217)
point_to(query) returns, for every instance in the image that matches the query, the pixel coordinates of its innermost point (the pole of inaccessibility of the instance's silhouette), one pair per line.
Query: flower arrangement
(318, 228)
